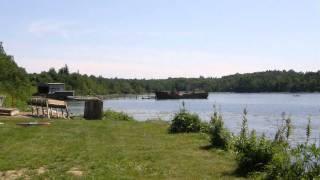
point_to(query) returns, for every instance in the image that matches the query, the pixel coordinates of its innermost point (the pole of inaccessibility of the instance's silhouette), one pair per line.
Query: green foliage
(308, 130)
(277, 159)
(220, 137)
(119, 116)
(253, 152)
(244, 127)
(301, 162)
(205, 127)
(14, 82)
(185, 122)
(269, 81)
(284, 130)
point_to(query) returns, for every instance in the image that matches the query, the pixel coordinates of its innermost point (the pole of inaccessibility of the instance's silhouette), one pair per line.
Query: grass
(109, 149)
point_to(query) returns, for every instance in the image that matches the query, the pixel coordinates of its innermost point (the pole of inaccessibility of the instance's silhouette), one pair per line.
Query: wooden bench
(44, 107)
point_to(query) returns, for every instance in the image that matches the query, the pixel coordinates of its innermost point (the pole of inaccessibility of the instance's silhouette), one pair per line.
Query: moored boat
(181, 95)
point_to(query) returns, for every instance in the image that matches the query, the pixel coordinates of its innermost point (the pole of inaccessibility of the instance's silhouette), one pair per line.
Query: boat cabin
(54, 90)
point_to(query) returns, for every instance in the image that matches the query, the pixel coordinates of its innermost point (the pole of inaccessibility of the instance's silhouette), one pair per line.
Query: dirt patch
(13, 174)
(42, 170)
(75, 171)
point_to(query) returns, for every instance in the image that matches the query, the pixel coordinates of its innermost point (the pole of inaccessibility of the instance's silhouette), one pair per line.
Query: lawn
(108, 149)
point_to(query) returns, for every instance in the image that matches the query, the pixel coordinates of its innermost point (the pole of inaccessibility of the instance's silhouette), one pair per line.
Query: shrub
(113, 115)
(300, 162)
(253, 153)
(220, 137)
(205, 127)
(185, 122)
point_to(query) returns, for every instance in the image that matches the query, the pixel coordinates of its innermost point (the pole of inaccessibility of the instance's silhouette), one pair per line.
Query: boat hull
(167, 95)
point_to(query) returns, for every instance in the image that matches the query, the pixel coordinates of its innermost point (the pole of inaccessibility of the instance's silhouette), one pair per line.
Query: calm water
(264, 110)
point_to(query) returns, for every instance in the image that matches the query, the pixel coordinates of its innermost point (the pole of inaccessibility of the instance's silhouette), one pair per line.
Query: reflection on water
(264, 109)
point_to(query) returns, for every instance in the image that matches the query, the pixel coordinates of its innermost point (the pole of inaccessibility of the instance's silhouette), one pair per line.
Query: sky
(162, 38)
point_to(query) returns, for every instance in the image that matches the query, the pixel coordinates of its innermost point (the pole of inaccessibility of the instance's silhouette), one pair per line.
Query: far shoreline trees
(268, 81)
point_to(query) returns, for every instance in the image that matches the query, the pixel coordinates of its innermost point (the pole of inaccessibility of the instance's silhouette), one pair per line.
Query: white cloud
(60, 28)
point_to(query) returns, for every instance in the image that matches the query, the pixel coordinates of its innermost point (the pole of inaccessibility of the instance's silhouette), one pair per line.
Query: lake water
(264, 110)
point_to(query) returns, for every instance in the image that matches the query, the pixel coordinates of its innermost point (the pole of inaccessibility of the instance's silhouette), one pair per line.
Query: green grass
(110, 150)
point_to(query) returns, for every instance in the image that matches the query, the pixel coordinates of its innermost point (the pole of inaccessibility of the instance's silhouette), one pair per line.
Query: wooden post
(37, 108)
(57, 112)
(48, 114)
(61, 109)
(51, 112)
(67, 110)
(42, 111)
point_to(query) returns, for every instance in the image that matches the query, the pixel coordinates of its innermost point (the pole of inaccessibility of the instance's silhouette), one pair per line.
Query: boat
(147, 97)
(181, 95)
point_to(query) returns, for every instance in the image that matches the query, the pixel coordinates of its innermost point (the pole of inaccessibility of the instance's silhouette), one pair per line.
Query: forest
(268, 81)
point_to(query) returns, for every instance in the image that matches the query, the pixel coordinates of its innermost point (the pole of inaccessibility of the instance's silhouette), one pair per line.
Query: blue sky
(162, 38)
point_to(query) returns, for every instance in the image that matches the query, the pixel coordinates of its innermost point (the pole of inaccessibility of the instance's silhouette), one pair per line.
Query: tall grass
(120, 116)
(220, 137)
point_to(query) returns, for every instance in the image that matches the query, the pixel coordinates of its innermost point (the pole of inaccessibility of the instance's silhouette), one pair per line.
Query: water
(264, 109)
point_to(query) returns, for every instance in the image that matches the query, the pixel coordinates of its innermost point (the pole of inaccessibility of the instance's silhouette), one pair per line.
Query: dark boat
(181, 95)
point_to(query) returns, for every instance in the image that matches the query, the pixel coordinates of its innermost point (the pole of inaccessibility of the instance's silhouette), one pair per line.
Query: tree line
(268, 81)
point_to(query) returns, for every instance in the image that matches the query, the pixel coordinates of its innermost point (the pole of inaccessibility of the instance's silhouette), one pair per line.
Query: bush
(120, 116)
(300, 162)
(205, 127)
(253, 153)
(220, 137)
(185, 122)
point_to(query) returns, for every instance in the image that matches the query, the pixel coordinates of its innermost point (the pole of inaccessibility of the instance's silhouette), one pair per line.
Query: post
(42, 111)
(61, 109)
(67, 110)
(37, 108)
(51, 112)
(47, 104)
(57, 112)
